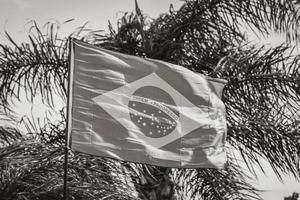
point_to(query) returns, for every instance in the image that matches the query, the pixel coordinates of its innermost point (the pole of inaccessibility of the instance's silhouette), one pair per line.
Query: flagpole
(65, 173)
(65, 194)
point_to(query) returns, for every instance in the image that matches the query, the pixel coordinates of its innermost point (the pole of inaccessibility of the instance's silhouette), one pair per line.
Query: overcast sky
(14, 14)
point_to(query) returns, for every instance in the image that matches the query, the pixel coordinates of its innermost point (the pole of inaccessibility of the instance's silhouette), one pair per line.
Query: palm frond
(262, 101)
(39, 68)
(8, 136)
(212, 184)
(31, 170)
(263, 16)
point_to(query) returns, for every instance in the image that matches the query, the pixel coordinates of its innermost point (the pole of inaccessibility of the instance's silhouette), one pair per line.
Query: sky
(15, 14)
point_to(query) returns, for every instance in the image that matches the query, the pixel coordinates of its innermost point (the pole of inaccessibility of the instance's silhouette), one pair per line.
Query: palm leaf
(32, 170)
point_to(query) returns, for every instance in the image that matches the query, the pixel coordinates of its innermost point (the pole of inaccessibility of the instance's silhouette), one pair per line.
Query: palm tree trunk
(158, 186)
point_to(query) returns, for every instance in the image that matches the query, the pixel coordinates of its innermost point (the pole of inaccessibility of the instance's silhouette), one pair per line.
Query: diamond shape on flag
(118, 103)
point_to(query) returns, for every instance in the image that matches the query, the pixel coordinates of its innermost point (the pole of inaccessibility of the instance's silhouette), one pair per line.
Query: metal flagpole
(65, 173)
(70, 44)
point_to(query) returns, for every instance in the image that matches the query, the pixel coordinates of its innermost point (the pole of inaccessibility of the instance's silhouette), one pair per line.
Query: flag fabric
(144, 110)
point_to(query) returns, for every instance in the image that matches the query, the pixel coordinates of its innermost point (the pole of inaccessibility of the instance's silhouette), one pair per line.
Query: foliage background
(196, 37)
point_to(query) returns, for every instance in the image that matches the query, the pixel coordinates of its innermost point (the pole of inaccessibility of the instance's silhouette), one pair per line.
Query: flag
(144, 110)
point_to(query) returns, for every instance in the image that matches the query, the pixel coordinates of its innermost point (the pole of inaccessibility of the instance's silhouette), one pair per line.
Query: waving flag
(143, 110)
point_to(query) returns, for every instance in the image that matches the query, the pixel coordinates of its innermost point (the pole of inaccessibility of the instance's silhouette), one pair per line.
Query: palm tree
(206, 36)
